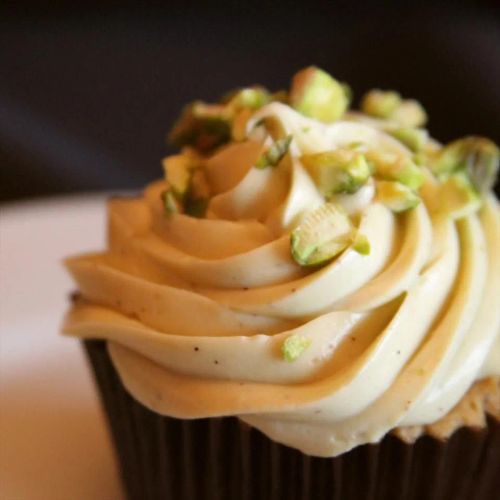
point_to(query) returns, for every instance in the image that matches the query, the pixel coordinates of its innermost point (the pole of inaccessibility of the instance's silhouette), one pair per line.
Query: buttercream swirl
(196, 310)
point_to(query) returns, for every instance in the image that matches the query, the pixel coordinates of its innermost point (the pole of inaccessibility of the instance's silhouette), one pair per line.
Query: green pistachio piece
(388, 105)
(171, 204)
(391, 167)
(249, 97)
(280, 96)
(409, 174)
(457, 196)
(178, 171)
(421, 158)
(478, 157)
(357, 146)
(198, 194)
(316, 94)
(274, 154)
(294, 346)
(361, 244)
(338, 171)
(348, 93)
(380, 103)
(409, 113)
(396, 196)
(202, 126)
(322, 234)
(413, 138)
(189, 191)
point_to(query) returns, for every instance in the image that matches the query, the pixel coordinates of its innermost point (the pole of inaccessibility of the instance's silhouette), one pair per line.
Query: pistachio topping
(203, 126)
(198, 194)
(338, 171)
(250, 97)
(478, 157)
(207, 126)
(280, 96)
(396, 196)
(274, 154)
(392, 167)
(188, 191)
(390, 106)
(413, 138)
(316, 94)
(421, 158)
(294, 346)
(361, 244)
(380, 103)
(321, 235)
(178, 171)
(410, 113)
(348, 166)
(171, 204)
(458, 197)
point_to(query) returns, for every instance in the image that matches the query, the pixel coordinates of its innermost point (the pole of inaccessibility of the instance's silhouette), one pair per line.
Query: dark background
(89, 90)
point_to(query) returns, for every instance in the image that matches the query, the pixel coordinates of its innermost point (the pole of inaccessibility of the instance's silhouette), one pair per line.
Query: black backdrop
(88, 90)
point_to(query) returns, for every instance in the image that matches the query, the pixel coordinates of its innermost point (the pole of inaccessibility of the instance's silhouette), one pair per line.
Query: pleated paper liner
(223, 459)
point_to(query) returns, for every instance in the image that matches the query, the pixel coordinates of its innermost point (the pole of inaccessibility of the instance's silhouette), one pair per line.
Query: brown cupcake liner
(222, 459)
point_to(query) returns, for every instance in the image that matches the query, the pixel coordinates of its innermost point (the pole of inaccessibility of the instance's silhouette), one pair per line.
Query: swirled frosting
(196, 310)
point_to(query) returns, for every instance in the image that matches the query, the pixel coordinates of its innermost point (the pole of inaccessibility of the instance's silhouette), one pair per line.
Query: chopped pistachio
(380, 103)
(316, 94)
(427, 156)
(478, 157)
(294, 346)
(171, 204)
(274, 153)
(338, 171)
(196, 199)
(322, 234)
(280, 96)
(202, 126)
(414, 138)
(421, 158)
(451, 159)
(356, 145)
(249, 97)
(409, 174)
(361, 244)
(389, 105)
(392, 167)
(178, 173)
(457, 196)
(483, 169)
(396, 196)
(347, 92)
(409, 113)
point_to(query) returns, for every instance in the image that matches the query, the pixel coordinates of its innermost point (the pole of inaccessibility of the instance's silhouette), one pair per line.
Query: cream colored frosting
(195, 311)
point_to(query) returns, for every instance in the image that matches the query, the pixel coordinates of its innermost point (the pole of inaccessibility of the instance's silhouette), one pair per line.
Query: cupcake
(305, 307)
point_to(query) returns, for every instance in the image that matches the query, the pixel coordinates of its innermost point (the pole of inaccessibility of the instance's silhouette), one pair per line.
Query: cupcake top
(326, 275)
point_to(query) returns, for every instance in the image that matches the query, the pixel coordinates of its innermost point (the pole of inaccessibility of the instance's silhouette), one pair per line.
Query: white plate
(53, 441)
